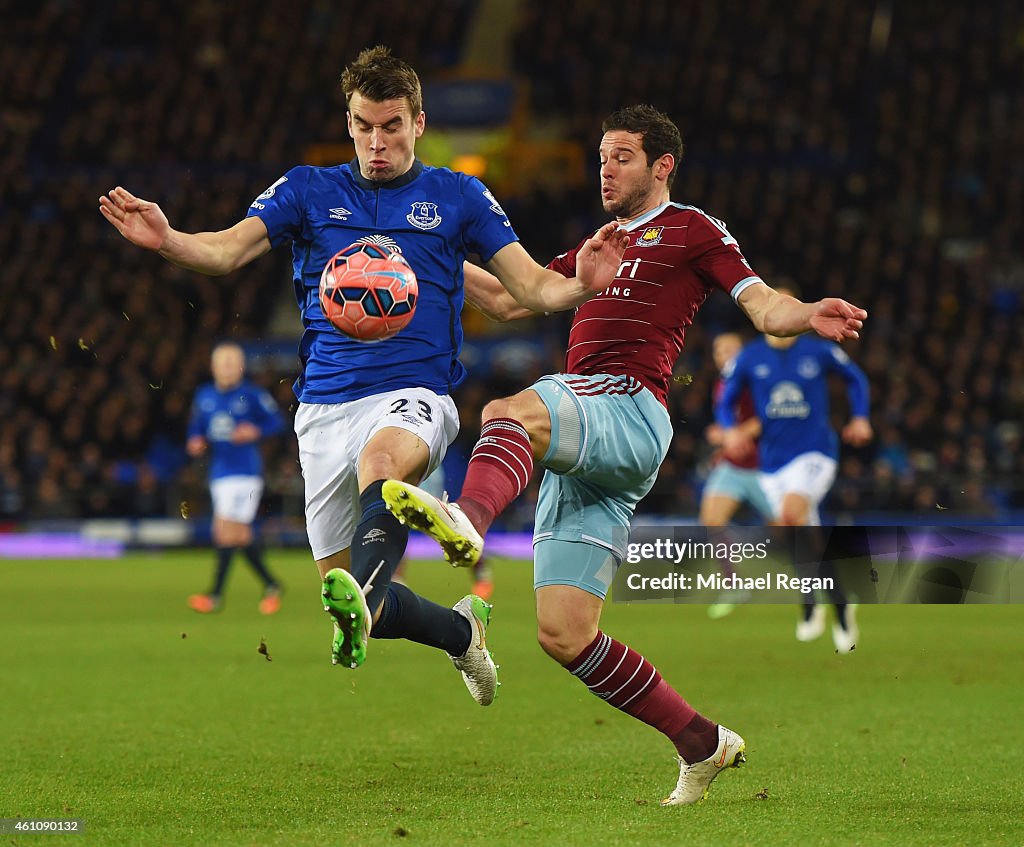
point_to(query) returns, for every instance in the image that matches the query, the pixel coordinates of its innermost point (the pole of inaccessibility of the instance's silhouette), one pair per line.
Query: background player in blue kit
(799, 450)
(371, 412)
(230, 417)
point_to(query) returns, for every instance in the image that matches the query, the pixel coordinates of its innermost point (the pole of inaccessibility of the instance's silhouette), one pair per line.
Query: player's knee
(792, 516)
(560, 642)
(529, 410)
(712, 517)
(500, 408)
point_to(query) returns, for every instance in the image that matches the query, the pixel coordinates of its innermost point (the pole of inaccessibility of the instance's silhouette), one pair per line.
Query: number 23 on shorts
(401, 406)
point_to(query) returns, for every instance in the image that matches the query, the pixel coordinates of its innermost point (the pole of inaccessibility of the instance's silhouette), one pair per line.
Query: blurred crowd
(199, 107)
(872, 151)
(869, 151)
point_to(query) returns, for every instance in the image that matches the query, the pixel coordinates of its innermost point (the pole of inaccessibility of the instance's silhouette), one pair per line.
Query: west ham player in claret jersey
(601, 429)
(369, 412)
(734, 479)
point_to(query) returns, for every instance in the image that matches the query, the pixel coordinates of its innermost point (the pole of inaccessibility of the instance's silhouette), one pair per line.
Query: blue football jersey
(790, 392)
(215, 414)
(435, 217)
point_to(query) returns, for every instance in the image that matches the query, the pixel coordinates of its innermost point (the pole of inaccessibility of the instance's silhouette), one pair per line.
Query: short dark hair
(659, 134)
(379, 76)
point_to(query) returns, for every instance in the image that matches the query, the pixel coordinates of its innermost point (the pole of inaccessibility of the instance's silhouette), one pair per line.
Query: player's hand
(245, 433)
(195, 446)
(737, 445)
(714, 434)
(141, 222)
(858, 432)
(599, 258)
(837, 320)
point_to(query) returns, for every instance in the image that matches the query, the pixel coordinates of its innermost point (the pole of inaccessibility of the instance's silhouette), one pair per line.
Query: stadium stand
(868, 151)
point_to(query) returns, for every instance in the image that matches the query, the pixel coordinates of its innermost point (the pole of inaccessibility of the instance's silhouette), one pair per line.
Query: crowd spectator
(874, 151)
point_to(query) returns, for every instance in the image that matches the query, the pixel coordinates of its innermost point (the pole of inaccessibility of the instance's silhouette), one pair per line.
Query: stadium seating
(870, 157)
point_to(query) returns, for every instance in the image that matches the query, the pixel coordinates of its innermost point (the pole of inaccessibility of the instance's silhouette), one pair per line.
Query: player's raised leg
(515, 431)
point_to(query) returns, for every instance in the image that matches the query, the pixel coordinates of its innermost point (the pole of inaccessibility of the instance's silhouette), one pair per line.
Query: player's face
(628, 186)
(725, 348)
(227, 366)
(385, 136)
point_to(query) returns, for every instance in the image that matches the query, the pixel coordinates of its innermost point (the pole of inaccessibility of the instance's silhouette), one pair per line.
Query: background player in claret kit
(799, 450)
(230, 417)
(734, 480)
(372, 412)
(601, 429)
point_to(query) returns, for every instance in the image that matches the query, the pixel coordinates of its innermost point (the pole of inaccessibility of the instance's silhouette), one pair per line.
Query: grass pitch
(155, 725)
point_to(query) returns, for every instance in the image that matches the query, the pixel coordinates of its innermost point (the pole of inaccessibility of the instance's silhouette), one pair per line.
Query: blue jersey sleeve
(198, 420)
(488, 228)
(282, 207)
(857, 388)
(733, 381)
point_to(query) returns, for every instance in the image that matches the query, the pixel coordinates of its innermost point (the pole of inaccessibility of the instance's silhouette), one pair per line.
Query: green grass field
(157, 726)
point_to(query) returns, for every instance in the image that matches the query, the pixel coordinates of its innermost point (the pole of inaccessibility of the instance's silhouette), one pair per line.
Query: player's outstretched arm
(486, 294)
(780, 314)
(214, 253)
(543, 290)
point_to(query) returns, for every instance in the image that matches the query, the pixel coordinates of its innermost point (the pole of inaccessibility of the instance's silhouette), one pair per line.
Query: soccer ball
(368, 292)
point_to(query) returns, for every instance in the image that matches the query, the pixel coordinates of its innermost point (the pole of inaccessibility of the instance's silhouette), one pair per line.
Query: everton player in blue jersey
(799, 450)
(229, 419)
(372, 412)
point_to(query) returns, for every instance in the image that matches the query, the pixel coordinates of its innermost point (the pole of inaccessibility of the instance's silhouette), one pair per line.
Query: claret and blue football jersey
(435, 217)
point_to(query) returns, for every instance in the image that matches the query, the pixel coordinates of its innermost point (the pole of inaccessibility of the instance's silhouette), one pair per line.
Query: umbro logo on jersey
(340, 214)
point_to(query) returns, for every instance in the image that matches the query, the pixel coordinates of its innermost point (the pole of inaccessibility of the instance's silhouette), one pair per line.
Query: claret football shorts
(609, 436)
(332, 436)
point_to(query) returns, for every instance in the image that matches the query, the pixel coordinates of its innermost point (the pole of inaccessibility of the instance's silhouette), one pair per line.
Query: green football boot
(345, 603)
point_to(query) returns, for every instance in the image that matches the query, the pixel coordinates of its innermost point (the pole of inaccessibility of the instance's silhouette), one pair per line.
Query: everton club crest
(424, 215)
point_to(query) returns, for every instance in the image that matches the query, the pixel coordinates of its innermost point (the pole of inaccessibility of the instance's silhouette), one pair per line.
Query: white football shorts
(236, 498)
(810, 475)
(331, 438)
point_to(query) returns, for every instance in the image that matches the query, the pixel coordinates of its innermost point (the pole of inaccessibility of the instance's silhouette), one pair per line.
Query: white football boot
(813, 627)
(845, 638)
(478, 669)
(695, 780)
